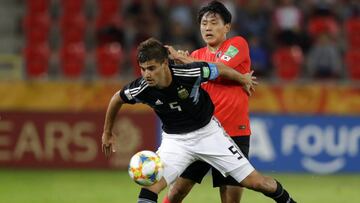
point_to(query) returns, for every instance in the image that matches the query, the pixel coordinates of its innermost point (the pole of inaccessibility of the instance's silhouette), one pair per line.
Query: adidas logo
(158, 102)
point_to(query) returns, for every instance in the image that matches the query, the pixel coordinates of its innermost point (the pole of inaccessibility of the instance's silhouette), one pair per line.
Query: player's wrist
(243, 79)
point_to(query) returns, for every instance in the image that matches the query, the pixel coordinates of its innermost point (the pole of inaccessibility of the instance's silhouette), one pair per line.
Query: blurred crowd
(289, 40)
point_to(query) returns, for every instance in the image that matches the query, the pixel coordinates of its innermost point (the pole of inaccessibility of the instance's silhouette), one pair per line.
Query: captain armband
(214, 72)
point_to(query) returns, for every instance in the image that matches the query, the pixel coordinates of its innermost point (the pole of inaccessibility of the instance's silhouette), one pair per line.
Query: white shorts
(210, 144)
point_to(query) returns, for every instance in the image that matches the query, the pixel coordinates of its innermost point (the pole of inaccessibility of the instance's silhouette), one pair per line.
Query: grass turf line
(93, 186)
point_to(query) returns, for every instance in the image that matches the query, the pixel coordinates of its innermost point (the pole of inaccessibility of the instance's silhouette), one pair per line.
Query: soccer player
(230, 100)
(190, 132)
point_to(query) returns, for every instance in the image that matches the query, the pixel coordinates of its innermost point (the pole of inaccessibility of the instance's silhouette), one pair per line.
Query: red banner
(71, 140)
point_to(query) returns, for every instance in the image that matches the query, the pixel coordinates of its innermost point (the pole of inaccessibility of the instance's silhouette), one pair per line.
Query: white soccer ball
(146, 168)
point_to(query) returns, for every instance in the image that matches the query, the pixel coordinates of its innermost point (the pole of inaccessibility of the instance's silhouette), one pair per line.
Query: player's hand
(177, 55)
(108, 144)
(173, 54)
(183, 53)
(249, 83)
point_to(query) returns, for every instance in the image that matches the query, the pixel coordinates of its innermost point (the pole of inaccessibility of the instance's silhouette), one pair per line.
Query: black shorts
(198, 169)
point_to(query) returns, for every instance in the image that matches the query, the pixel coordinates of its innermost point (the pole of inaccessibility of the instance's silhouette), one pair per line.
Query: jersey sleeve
(129, 91)
(210, 72)
(237, 55)
(193, 71)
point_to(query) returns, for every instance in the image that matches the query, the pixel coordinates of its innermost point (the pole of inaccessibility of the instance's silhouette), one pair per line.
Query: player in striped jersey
(190, 132)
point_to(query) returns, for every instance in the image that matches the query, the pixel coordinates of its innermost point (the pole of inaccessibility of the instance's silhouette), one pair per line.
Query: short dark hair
(151, 49)
(215, 7)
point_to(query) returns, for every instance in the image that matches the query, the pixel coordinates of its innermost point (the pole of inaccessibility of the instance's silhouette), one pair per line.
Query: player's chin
(211, 41)
(207, 40)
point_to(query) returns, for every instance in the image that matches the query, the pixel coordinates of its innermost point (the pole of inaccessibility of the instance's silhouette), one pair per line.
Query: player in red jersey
(231, 101)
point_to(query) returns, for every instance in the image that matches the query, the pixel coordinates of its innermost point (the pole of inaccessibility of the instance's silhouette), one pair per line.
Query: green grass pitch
(92, 186)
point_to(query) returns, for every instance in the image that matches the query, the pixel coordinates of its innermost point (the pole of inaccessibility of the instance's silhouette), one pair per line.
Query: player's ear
(227, 27)
(166, 62)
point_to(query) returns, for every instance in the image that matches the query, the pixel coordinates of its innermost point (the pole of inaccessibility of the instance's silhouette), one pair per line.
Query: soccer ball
(146, 168)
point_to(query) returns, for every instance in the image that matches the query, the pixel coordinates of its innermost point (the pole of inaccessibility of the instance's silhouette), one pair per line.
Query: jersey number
(175, 105)
(235, 152)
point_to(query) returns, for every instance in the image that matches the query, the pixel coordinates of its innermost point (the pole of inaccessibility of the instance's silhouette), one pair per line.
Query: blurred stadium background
(61, 61)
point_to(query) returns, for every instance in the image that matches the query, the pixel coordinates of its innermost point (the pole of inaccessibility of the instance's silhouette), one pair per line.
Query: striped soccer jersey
(183, 106)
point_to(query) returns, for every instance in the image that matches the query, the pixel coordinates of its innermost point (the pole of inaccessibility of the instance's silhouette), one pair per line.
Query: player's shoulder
(133, 89)
(140, 81)
(187, 70)
(136, 86)
(236, 39)
(198, 52)
(233, 45)
(188, 66)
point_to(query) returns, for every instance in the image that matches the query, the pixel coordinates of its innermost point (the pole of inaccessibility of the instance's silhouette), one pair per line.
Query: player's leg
(231, 190)
(250, 178)
(231, 194)
(182, 186)
(175, 158)
(149, 194)
(268, 186)
(226, 157)
(179, 190)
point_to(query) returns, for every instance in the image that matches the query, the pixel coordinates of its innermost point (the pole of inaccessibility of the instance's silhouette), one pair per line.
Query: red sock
(166, 199)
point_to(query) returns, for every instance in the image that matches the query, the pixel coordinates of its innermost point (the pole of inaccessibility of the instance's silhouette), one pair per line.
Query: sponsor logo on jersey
(231, 51)
(206, 71)
(183, 93)
(158, 102)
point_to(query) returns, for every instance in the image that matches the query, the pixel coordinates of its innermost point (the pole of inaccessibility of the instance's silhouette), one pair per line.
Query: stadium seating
(134, 62)
(352, 28)
(288, 62)
(74, 19)
(108, 14)
(108, 7)
(72, 6)
(73, 27)
(72, 59)
(36, 59)
(36, 27)
(322, 24)
(37, 6)
(109, 59)
(352, 63)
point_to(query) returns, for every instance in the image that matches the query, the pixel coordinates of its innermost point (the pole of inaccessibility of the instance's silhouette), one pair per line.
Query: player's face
(213, 30)
(153, 72)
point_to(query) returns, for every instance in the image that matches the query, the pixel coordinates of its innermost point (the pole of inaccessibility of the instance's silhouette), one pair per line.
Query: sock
(280, 195)
(147, 196)
(166, 199)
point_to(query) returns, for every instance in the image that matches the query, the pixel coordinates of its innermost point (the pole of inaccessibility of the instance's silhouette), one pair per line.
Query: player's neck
(214, 47)
(166, 81)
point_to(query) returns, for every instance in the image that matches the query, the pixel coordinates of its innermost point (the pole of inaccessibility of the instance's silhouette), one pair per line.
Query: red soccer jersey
(230, 100)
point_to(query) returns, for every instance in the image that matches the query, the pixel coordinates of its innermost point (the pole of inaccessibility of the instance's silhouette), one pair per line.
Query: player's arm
(108, 140)
(232, 74)
(247, 80)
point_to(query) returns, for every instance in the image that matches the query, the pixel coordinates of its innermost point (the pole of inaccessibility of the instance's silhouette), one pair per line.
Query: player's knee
(254, 184)
(261, 184)
(257, 183)
(177, 194)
